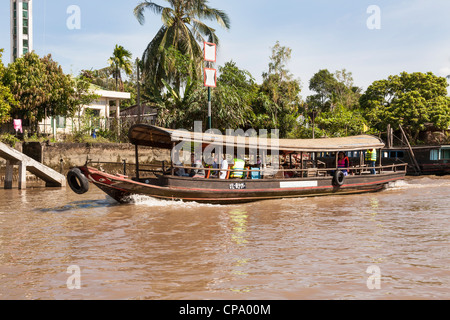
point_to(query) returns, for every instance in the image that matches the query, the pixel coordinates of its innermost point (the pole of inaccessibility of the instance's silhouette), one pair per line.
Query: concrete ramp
(25, 163)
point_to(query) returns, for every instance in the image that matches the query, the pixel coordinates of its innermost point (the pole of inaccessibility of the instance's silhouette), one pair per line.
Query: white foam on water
(398, 185)
(143, 200)
(418, 183)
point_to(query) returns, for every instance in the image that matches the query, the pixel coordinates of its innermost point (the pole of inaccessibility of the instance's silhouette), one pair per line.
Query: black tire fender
(77, 181)
(338, 178)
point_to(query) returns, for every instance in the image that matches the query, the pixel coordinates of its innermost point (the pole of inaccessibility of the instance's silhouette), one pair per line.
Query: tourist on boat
(180, 171)
(343, 162)
(215, 165)
(238, 166)
(196, 163)
(258, 162)
(371, 158)
(224, 166)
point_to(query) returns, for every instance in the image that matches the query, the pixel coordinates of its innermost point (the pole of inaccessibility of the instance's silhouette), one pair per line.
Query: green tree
(341, 122)
(278, 100)
(40, 87)
(413, 100)
(345, 92)
(182, 28)
(233, 98)
(7, 100)
(231, 101)
(324, 84)
(120, 61)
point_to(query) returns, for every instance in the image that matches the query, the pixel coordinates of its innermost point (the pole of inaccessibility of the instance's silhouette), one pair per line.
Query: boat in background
(298, 171)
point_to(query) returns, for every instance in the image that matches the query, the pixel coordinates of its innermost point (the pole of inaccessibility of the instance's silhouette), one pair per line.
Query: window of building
(60, 122)
(445, 154)
(434, 155)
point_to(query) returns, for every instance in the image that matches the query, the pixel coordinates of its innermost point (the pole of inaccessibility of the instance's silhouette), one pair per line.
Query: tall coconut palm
(182, 30)
(121, 60)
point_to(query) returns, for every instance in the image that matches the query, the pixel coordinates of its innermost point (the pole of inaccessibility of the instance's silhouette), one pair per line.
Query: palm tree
(121, 60)
(182, 29)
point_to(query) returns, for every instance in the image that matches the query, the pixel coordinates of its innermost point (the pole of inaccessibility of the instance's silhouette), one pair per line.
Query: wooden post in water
(381, 156)
(9, 174)
(136, 149)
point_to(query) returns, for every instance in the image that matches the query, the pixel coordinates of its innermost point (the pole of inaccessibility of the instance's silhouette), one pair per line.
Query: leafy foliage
(278, 100)
(7, 100)
(120, 60)
(415, 101)
(40, 87)
(182, 28)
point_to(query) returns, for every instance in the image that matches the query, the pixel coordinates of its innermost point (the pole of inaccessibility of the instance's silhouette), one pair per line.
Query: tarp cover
(153, 136)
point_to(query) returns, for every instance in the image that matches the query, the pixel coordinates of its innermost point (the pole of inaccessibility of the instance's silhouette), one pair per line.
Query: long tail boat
(310, 169)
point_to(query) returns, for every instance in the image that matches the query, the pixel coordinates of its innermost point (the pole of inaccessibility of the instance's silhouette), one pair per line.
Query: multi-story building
(21, 28)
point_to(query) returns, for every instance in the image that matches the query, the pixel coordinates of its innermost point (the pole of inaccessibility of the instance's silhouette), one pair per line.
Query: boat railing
(125, 167)
(164, 168)
(269, 172)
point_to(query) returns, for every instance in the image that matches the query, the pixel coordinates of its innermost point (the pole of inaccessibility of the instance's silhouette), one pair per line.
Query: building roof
(113, 94)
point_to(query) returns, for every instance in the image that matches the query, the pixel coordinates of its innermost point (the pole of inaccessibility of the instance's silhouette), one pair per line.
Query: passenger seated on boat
(180, 171)
(215, 165)
(258, 162)
(287, 174)
(343, 162)
(238, 167)
(224, 166)
(196, 173)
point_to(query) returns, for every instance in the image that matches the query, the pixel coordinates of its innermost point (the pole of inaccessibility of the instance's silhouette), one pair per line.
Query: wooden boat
(422, 160)
(308, 176)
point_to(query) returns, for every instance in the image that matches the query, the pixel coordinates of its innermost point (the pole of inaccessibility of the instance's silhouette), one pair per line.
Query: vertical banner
(210, 77)
(210, 52)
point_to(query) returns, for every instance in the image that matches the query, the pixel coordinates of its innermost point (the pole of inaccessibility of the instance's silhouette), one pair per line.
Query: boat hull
(231, 191)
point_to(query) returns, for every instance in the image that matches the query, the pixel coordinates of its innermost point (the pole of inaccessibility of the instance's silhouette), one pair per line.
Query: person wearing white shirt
(224, 166)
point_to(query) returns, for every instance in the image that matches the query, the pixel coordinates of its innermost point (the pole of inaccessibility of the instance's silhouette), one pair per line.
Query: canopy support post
(136, 151)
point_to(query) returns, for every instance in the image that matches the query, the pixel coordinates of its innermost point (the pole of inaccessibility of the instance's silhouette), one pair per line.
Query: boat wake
(418, 183)
(143, 200)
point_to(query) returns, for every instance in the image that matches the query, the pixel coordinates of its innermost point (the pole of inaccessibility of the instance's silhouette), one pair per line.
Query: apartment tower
(21, 28)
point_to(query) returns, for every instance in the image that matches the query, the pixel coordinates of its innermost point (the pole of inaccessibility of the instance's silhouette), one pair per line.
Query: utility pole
(209, 104)
(138, 91)
(210, 74)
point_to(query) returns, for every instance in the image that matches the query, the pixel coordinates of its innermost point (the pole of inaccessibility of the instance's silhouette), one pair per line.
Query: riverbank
(62, 156)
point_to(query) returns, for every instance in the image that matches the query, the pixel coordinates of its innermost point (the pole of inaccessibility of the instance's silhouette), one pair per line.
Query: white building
(21, 28)
(107, 106)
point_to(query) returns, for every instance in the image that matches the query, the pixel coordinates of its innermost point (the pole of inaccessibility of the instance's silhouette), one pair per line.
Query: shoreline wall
(62, 156)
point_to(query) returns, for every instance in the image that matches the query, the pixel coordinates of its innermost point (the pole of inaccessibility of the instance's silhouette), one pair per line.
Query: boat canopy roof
(153, 136)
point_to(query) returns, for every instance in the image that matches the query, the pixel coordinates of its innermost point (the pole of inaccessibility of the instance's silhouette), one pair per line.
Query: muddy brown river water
(394, 244)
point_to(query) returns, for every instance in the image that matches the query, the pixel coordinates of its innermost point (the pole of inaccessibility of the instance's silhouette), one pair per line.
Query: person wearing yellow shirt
(371, 158)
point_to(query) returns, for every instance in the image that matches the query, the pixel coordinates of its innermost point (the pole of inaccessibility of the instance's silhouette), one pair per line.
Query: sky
(371, 39)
